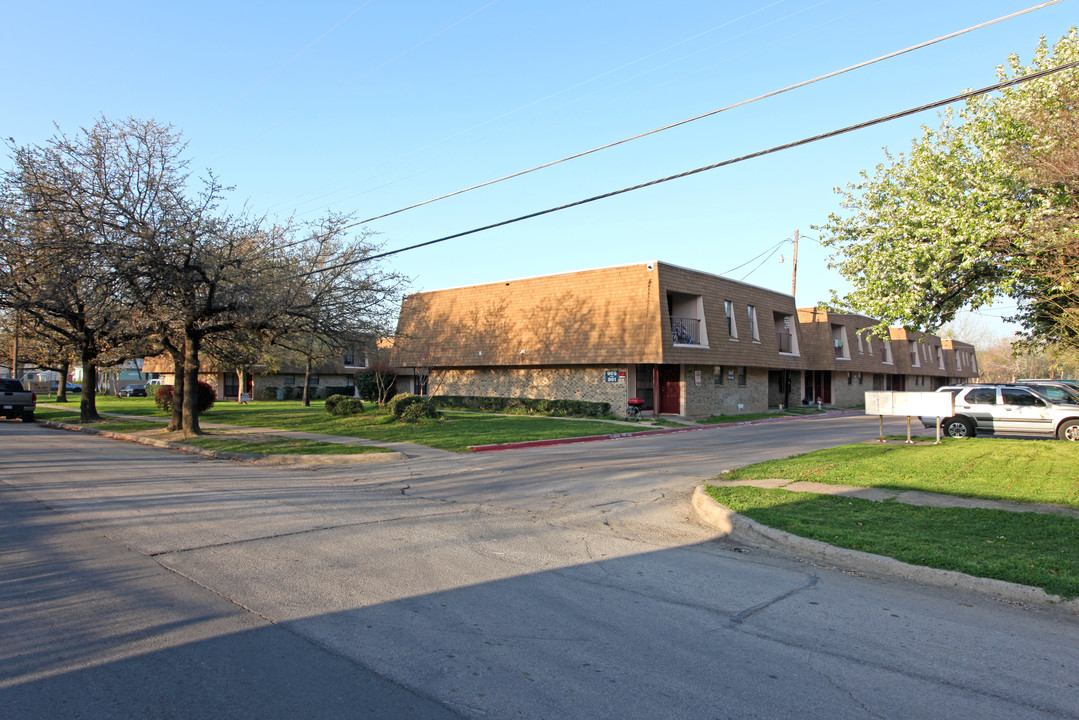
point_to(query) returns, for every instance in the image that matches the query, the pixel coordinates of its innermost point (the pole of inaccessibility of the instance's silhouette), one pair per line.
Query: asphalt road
(562, 582)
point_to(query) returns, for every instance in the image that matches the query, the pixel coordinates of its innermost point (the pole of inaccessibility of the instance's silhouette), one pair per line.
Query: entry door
(670, 389)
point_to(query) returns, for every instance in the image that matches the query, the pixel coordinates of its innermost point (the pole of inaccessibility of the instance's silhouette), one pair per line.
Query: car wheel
(957, 427)
(1069, 430)
(28, 418)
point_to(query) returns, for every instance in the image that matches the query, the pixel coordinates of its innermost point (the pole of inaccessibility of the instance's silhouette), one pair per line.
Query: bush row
(523, 406)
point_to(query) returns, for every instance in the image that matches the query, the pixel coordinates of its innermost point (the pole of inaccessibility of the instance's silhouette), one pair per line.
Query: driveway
(556, 582)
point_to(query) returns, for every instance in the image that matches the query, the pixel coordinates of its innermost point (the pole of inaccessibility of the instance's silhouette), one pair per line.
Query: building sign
(610, 376)
(697, 377)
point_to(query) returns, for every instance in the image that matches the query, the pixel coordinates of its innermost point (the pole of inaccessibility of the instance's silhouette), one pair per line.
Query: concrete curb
(339, 459)
(647, 433)
(742, 529)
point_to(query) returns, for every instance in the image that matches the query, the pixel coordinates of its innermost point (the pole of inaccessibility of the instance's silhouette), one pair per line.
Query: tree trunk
(177, 355)
(240, 380)
(306, 381)
(61, 385)
(192, 344)
(88, 401)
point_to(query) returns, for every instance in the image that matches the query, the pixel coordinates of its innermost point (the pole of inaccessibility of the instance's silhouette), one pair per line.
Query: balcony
(685, 330)
(785, 341)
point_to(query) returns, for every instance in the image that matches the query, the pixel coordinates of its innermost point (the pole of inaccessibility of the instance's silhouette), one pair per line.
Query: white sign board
(910, 404)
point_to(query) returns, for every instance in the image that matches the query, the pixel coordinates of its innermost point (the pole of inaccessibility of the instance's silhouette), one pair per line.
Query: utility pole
(794, 265)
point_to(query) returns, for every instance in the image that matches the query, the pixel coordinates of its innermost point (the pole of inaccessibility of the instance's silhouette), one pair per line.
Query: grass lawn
(456, 432)
(995, 468)
(1027, 548)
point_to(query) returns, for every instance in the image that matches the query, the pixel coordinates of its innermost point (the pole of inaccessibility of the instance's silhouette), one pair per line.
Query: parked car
(1055, 390)
(70, 387)
(1007, 409)
(132, 391)
(16, 402)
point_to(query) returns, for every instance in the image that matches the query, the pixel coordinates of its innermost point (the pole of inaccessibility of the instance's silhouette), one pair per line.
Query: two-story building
(685, 342)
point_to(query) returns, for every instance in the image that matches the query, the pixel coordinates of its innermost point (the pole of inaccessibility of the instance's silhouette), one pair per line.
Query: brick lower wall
(547, 383)
(728, 398)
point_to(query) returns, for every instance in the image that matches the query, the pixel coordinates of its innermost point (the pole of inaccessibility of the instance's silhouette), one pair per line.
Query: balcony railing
(685, 331)
(785, 342)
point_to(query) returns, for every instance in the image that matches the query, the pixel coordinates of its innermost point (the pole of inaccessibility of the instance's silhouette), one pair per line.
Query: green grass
(1026, 548)
(1045, 471)
(455, 432)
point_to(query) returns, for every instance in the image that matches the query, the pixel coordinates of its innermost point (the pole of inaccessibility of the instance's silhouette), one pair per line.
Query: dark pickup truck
(16, 402)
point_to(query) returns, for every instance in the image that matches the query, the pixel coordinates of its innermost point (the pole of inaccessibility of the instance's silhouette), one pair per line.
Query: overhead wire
(711, 113)
(723, 163)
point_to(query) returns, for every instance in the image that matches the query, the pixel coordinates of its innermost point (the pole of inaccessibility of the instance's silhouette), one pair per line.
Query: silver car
(1007, 409)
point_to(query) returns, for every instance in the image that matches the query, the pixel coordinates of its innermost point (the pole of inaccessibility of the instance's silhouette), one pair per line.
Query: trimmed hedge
(409, 407)
(523, 406)
(344, 405)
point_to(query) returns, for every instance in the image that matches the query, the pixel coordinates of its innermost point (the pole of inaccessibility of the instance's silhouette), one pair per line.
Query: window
(850, 378)
(313, 380)
(839, 342)
(686, 312)
(786, 339)
(861, 377)
(914, 361)
(861, 344)
(940, 357)
(1014, 396)
(887, 359)
(753, 323)
(717, 375)
(290, 380)
(869, 344)
(732, 326)
(741, 376)
(982, 396)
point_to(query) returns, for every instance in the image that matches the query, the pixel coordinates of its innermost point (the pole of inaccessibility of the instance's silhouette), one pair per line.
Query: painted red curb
(646, 433)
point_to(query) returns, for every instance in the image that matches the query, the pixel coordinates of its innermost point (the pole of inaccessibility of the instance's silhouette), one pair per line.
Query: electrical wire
(747, 262)
(686, 121)
(723, 163)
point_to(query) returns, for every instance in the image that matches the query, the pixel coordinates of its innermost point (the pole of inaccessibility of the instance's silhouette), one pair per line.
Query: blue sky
(372, 106)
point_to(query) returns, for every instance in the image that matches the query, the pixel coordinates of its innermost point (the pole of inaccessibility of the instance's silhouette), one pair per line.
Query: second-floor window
(753, 331)
(732, 325)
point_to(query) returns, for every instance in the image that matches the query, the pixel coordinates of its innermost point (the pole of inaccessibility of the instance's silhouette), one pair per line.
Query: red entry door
(670, 389)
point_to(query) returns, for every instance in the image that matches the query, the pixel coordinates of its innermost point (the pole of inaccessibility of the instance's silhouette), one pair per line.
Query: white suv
(1007, 409)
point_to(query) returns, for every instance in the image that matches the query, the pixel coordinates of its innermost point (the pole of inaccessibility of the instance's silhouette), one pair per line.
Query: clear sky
(368, 107)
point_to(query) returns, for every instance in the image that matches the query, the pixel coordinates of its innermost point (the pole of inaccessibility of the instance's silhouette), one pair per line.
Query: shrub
(407, 406)
(269, 392)
(368, 386)
(207, 396)
(522, 406)
(331, 403)
(414, 412)
(348, 406)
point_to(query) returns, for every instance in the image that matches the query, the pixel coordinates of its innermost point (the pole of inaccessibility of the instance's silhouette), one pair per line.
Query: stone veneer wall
(846, 395)
(548, 383)
(713, 399)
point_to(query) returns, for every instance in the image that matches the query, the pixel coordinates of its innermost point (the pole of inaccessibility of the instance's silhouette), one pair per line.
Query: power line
(723, 163)
(713, 112)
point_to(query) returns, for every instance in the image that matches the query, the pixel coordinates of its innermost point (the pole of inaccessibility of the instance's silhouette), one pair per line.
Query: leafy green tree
(985, 206)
